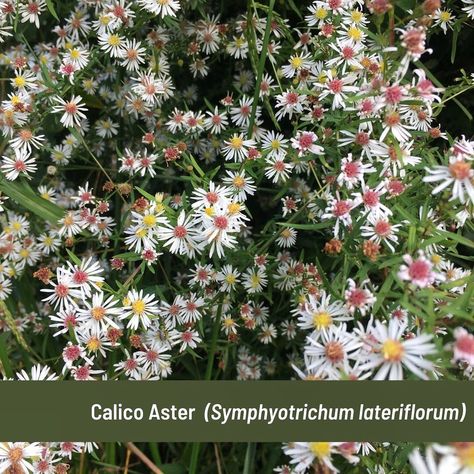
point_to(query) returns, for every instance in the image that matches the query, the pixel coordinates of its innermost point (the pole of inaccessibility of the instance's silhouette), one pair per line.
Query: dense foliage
(234, 190)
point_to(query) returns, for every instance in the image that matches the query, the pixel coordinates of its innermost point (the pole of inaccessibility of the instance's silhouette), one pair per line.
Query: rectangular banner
(262, 411)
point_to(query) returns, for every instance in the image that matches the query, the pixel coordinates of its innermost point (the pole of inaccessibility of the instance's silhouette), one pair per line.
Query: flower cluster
(263, 191)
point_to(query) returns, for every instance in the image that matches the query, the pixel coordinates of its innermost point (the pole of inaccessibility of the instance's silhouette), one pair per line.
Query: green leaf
(21, 193)
(454, 44)
(145, 194)
(4, 360)
(457, 238)
(249, 458)
(74, 257)
(50, 5)
(319, 225)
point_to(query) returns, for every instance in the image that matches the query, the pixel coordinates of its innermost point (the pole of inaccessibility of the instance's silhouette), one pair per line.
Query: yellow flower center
(230, 279)
(228, 322)
(320, 13)
(94, 344)
(98, 313)
(392, 350)
(149, 220)
(209, 211)
(275, 144)
(354, 33)
(357, 16)
(322, 320)
(114, 40)
(104, 20)
(445, 16)
(466, 455)
(239, 182)
(24, 253)
(255, 281)
(296, 62)
(320, 449)
(138, 307)
(20, 81)
(140, 233)
(236, 142)
(233, 208)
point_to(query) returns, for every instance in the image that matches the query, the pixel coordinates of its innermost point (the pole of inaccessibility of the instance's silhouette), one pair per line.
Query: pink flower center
(419, 270)
(130, 364)
(393, 94)
(245, 110)
(347, 52)
(221, 222)
(361, 138)
(334, 4)
(33, 8)
(72, 353)
(19, 165)
(212, 197)
(341, 208)
(180, 231)
(151, 356)
(305, 140)
(465, 344)
(80, 277)
(279, 166)
(371, 198)
(61, 290)
(292, 98)
(352, 169)
(392, 119)
(335, 86)
(382, 228)
(358, 297)
(82, 373)
(70, 108)
(334, 352)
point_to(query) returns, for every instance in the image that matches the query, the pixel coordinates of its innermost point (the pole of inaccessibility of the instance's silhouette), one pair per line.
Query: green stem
(261, 66)
(215, 335)
(208, 376)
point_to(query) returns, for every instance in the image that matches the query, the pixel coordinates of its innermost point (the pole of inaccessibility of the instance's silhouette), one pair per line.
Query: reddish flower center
(419, 270)
(72, 353)
(80, 277)
(351, 169)
(358, 297)
(221, 222)
(180, 231)
(382, 228)
(61, 290)
(460, 170)
(371, 198)
(292, 98)
(465, 344)
(393, 94)
(334, 352)
(82, 373)
(70, 108)
(341, 208)
(335, 86)
(212, 197)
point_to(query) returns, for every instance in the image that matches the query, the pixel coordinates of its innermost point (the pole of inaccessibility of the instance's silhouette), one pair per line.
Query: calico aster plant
(201, 190)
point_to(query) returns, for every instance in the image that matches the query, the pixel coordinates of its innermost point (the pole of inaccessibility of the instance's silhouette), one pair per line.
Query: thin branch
(144, 459)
